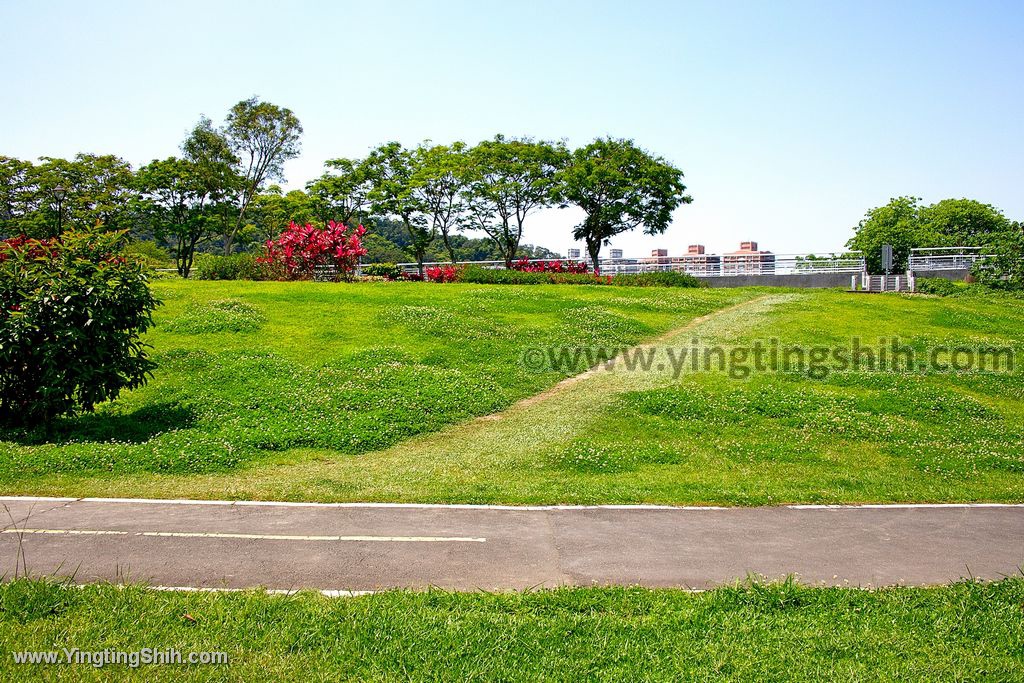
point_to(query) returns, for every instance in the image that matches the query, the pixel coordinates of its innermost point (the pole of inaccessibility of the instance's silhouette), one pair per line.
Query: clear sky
(789, 119)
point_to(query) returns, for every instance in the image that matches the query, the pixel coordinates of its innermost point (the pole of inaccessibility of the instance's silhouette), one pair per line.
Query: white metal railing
(704, 265)
(944, 258)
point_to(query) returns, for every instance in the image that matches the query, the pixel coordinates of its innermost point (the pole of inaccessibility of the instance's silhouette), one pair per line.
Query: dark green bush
(490, 276)
(234, 267)
(657, 279)
(388, 270)
(71, 313)
(937, 286)
(517, 277)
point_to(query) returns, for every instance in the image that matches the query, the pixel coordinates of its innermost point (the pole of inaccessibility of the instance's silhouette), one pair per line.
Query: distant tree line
(220, 192)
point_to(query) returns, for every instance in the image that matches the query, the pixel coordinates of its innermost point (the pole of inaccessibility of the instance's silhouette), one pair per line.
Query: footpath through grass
(777, 632)
(345, 394)
(251, 371)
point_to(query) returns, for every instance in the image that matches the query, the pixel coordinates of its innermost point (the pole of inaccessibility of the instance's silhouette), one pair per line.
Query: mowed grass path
(779, 632)
(612, 437)
(253, 374)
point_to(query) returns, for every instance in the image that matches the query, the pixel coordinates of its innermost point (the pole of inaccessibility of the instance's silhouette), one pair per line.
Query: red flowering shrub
(301, 249)
(556, 266)
(442, 274)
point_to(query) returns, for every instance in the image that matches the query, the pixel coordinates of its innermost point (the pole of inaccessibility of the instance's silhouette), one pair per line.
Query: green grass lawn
(755, 632)
(375, 392)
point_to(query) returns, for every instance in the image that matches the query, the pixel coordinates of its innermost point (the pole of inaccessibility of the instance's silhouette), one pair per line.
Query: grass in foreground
(248, 370)
(614, 437)
(755, 632)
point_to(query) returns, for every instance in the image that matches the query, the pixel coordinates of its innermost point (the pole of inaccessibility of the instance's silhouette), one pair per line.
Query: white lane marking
(326, 592)
(513, 508)
(70, 532)
(261, 537)
(904, 506)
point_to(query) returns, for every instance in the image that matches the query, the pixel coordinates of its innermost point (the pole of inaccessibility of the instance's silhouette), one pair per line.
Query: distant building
(615, 253)
(748, 260)
(573, 253)
(696, 262)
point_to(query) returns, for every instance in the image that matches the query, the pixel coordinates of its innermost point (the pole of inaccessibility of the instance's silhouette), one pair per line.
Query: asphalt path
(370, 547)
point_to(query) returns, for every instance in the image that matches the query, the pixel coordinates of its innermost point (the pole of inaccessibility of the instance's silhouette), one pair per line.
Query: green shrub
(234, 267)
(490, 276)
(71, 312)
(657, 279)
(937, 286)
(388, 270)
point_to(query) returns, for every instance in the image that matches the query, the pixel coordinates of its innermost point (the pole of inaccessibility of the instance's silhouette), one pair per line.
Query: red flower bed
(301, 249)
(556, 266)
(442, 274)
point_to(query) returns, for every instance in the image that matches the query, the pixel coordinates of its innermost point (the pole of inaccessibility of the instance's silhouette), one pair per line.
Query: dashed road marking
(255, 537)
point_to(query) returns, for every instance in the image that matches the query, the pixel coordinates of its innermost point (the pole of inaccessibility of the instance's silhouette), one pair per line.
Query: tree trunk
(448, 246)
(594, 249)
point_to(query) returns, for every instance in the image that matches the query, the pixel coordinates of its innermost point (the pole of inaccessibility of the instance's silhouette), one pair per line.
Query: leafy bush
(937, 286)
(71, 312)
(657, 279)
(301, 249)
(388, 270)
(518, 277)
(233, 267)
(559, 277)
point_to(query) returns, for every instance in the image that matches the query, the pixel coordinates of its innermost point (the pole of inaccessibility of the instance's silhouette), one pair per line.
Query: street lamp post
(59, 193)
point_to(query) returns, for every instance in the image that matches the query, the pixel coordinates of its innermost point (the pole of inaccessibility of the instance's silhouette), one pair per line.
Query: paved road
(368, 547)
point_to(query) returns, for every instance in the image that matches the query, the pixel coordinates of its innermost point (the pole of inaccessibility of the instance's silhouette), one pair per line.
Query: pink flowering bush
(556, 266)
(442, 274)
(301, 249)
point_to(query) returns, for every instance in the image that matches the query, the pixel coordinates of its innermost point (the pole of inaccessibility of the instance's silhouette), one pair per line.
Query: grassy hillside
(369, 392)
(249, 370)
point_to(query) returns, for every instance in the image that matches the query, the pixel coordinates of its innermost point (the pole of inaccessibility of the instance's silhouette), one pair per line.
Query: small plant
(301, 249)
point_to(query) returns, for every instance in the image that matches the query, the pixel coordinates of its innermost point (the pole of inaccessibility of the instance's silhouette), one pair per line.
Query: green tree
(510, 179)
(341, 194)
(390, 170)
(897, 223)
(382, 250)
(263, 136)
(906, 225)
(620, 187)
(442, 174)
(964, 222)
(18, 193)
(100, 190)
(216, 169)
(274, 209)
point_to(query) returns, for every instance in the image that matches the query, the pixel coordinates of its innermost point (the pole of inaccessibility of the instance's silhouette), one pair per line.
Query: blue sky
(789, 119)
